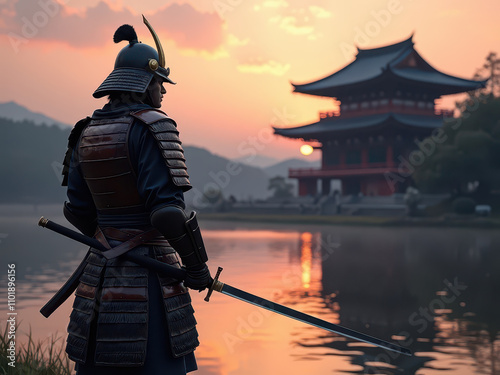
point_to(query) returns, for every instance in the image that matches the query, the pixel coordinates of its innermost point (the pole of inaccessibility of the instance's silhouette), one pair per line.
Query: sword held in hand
(218, 286)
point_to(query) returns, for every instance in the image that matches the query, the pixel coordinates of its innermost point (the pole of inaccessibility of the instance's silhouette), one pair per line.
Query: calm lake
(434, 291)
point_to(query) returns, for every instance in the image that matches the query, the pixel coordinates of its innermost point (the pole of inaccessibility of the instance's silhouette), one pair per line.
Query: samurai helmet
(135, 65)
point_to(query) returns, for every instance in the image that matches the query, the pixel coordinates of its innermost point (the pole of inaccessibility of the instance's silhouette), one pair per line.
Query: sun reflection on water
(306, 258)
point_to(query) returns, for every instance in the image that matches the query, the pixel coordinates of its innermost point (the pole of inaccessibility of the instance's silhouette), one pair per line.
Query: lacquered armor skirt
(109, 322)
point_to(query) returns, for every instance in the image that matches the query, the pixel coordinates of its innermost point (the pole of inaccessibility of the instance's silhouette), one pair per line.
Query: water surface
(435, 291)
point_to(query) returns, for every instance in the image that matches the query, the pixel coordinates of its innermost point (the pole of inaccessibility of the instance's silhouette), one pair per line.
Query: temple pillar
(364, 157)
(342, 158)
(351, 186)
(326, 186)
(308, 186)
(389, 156)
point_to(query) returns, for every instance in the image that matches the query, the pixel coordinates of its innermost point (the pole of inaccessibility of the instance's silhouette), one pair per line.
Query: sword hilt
(216, 285)
(43, 222)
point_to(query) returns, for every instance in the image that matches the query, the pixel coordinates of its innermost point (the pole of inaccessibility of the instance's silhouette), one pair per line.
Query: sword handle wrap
(216, 285)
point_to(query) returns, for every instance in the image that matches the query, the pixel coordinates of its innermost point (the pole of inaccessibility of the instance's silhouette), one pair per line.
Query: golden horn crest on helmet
(161, 54)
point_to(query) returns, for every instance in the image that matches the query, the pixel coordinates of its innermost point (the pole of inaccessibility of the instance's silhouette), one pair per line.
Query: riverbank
(443, 221)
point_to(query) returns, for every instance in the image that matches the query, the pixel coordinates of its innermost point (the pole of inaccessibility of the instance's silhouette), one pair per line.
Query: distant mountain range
(281, 168)
(260, 161)
(17, 112)
(31, 156)
(211, 172)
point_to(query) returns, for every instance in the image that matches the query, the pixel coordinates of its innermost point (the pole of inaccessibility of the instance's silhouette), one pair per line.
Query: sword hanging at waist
(72, 283)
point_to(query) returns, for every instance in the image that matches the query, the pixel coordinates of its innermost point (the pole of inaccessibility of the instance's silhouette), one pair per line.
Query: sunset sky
(233, 60)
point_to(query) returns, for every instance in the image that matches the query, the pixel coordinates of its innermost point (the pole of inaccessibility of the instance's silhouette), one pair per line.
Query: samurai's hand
(198, 277)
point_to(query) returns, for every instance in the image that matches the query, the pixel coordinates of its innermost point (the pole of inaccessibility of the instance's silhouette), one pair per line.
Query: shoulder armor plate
(72, 141)
(150, 116)
(164, 131)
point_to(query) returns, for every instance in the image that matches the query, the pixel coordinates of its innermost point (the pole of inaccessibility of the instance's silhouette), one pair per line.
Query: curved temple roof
(399, 60)
(329, 126)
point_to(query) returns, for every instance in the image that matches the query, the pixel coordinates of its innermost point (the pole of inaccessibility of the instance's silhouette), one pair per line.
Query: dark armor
(105, 164)
(184, 235)
(116, 291)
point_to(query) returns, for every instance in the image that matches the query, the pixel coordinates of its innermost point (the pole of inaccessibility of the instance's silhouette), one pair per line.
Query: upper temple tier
(392, 81)
(391, 68)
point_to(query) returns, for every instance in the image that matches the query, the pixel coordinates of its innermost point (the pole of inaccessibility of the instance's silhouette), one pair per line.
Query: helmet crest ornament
(161, 54)
(125, 32)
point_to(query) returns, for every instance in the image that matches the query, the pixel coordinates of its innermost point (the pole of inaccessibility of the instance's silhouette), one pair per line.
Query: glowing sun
(306, 150)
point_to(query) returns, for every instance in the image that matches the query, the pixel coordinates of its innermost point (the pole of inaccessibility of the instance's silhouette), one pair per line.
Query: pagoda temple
(387, 101)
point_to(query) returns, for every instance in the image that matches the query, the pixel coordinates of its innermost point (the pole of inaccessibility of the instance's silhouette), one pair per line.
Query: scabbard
(65, 291)
(70, 286)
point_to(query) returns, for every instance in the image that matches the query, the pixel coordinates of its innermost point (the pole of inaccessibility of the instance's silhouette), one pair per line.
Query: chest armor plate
(105, 164)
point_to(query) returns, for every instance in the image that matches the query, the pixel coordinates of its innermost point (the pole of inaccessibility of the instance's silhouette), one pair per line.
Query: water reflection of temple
(434, 293)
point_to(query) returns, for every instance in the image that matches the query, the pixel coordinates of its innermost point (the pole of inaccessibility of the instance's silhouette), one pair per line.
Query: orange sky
(233, 60)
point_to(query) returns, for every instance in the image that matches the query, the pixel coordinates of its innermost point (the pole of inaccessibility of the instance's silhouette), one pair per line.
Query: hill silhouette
(17, 112)
(31, 162)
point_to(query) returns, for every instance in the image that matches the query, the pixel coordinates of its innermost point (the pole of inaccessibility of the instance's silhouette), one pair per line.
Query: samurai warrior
(126, 175)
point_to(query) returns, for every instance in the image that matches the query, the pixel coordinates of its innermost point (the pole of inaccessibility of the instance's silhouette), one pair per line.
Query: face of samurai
(155, 92)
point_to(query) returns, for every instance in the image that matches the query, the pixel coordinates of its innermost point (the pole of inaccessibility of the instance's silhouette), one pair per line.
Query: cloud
(233, 40)
(319, 12)
(50, 20)
(264, 67)
(275, 4)
(301, 21)
(190, 28)
(271, 4)
(291, 25)
(219, 53)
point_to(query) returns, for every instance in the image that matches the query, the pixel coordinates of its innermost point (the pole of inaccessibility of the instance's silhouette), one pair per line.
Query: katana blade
(231, 291)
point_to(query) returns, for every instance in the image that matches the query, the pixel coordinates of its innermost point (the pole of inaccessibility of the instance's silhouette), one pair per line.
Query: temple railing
(341, 169)
(403, 108)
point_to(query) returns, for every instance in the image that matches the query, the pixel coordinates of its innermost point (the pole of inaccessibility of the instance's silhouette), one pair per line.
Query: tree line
(30, 162)
(468, 161)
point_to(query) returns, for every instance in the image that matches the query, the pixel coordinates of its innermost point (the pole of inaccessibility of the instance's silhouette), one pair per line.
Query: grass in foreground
(45, 357)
